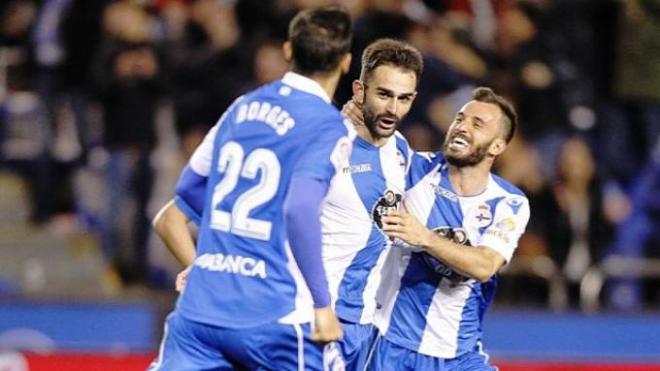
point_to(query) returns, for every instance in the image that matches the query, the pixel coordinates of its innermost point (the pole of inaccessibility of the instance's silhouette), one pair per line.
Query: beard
(474, 157)
(371, 120)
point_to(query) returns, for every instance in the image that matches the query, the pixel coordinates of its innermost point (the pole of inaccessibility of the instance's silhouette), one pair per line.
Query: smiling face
(388, 94)
(475, 134)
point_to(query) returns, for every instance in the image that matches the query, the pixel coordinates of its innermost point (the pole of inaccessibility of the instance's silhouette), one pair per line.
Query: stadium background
(101, 102)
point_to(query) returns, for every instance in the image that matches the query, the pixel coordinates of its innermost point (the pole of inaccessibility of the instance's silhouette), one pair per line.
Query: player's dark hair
(392, 53)
(510, 118)
(319, 39)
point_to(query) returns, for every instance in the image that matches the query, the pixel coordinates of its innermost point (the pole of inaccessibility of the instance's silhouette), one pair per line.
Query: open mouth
(386, 122)
(458, 143)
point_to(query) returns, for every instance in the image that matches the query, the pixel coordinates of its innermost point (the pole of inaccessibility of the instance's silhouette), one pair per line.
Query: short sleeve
(509, 223)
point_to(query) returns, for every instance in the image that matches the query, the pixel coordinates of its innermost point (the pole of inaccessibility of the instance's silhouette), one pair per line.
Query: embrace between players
(328, 243)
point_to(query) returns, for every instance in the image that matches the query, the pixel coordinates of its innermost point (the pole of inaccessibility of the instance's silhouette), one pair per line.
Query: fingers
(181, 279)
(352, 110)
(393, 218)
(327, 336)
(324, 338)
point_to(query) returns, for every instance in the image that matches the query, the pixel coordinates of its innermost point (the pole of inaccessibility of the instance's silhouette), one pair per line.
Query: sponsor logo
(506, 225)
(444, 192)
(359, 168)
(515, 204)
(499, 234)
(236, 264)
(457, 235)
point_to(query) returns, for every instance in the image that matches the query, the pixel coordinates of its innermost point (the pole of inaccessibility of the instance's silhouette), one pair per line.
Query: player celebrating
(370, 186)
(435, 293)
(245, 304)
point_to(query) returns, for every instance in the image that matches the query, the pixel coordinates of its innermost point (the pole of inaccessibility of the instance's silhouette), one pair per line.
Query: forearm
(301, 210)
(171, 225)
(478, 262)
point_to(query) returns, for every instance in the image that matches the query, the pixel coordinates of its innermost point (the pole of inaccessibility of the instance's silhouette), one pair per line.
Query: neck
(470, 180)
(365, 134)
(327, 80)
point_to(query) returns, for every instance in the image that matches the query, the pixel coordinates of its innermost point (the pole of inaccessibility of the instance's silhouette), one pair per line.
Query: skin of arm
(171, 225)
(480, 262)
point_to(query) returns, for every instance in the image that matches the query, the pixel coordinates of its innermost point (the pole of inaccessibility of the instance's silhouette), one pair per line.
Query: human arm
(171, 225)
(479, 262)
(302, 211)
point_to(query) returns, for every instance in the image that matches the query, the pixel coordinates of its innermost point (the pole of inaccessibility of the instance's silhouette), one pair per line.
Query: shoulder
(507, 187)
(402, 144)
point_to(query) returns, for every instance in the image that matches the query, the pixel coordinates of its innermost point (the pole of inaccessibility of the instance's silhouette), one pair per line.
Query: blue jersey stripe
(350, 301)
(418, 285)
(470, 326)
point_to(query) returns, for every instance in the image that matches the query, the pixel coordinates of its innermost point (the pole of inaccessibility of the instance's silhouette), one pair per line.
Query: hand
(326, 326)
(182, 278)
(398, 224)
(353, 111)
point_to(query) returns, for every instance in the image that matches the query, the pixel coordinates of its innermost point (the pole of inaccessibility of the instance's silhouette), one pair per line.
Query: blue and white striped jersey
(353, 243)
(244, 274)
(424, 305)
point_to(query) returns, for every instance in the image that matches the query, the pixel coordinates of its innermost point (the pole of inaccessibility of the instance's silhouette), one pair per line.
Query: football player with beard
(461, 225)
(371, 184)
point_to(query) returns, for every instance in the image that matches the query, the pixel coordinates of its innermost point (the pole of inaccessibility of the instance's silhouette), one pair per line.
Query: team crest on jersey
(389, 201)
(483, 216)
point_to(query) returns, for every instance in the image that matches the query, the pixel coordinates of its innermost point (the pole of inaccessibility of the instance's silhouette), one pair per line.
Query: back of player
(242, 263)
(245, 303)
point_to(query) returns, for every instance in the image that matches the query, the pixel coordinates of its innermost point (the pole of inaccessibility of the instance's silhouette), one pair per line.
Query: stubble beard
(473, 158)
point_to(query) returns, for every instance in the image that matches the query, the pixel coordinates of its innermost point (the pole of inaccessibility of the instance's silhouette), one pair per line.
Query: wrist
(427, 238)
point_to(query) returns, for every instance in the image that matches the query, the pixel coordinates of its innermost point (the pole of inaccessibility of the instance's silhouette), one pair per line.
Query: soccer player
(436, 289)
(370, 186)
(264, 170)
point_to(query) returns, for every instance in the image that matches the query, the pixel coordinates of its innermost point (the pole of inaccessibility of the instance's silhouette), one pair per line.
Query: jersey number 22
(233, 163)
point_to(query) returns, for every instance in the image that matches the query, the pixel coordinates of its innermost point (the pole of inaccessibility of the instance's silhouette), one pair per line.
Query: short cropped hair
(320, 38)
(510, 117)
(392, 53)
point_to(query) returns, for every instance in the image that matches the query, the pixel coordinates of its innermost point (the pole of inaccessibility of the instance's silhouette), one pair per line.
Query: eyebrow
(390, 92)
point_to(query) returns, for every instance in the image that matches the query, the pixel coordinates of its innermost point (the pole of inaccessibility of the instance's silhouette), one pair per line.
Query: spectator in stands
(128, 74)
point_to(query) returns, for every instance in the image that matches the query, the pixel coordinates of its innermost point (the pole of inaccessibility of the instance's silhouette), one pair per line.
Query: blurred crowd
(84, 83)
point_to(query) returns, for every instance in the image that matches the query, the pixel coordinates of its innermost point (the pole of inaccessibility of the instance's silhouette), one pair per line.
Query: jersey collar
(300, 82)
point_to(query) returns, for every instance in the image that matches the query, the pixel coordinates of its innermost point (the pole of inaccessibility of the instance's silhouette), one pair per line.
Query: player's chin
(386, 132)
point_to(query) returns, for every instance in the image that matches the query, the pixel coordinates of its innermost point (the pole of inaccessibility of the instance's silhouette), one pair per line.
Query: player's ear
(497, 147)
(358, 91)
(287, 49)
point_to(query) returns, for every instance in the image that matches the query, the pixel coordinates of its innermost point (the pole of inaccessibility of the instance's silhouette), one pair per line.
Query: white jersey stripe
(444, 317)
